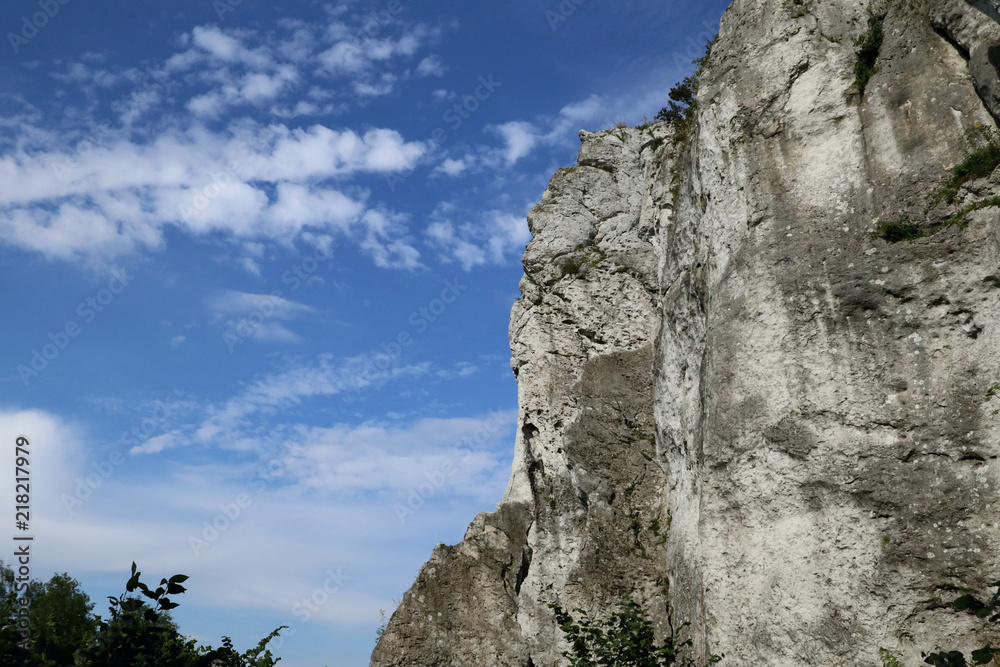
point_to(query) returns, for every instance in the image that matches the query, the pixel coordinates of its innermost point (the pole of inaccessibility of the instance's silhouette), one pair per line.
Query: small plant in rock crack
(992, 393)
(889, 659)
(796, 7)
(382, 625)
(623, 639)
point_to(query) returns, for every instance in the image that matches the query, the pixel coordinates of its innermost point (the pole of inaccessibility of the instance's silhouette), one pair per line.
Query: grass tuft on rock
(895, 231)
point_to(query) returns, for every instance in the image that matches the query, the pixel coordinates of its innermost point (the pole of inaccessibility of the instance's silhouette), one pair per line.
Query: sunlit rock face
(584, 520)
(731, 383)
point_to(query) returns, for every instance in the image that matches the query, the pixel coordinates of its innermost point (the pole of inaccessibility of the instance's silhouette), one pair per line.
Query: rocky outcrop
(584, 519)
(824, 456)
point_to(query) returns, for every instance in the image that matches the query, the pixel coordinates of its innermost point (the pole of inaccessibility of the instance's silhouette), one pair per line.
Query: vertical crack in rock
(522, 572)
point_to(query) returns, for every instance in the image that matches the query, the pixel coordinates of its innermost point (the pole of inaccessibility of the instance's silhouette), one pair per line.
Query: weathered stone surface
(824, 455)
(584, 518)
(832, 462)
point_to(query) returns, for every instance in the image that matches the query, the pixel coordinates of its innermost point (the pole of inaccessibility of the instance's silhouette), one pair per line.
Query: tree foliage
(683, 104)
(138, 631)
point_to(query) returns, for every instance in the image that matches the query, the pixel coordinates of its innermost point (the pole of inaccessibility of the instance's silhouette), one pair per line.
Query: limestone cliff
(584, 519)
(729, 380)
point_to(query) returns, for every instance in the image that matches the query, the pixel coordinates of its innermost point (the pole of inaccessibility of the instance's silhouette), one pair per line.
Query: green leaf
(985, 655)
(968, 603)
(949, 659)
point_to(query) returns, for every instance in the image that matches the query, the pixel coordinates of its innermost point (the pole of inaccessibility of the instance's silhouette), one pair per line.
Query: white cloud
(327, 476)
(79, 73)
(442, 95)
(344, 58)
(232, 302)
(254, 88)
(275, 332)
(520, 137)
(233, 423)
(166, 167)
(452, 167)
(228, 46)
(350, 56)
(430, 66)
(159, 443)
(119, 196)
(256, 315)
(249, 265)
(346, 459)
(490, 240)
(298, 206)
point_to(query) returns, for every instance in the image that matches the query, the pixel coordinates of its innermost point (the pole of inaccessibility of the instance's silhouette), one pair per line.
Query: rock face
(584, 519)
(824, 456)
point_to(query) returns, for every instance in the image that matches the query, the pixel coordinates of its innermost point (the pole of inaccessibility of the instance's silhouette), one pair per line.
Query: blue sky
(257, 262)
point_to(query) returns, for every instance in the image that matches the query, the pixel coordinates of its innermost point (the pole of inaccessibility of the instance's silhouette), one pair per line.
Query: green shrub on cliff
(683, 105)
(624, 639)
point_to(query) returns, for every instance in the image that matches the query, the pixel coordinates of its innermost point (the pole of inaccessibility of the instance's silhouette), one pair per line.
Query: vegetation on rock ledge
(981, 160)
(624, 639)
(868, 47)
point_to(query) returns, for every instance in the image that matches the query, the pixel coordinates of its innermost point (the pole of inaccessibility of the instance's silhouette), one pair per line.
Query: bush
(624, 639)
(683, 104)
(138, 632)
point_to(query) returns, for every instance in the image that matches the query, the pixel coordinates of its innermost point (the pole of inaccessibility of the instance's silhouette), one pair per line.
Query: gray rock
(824, 456)
(984, 65)
(584, 518)
(830, 453)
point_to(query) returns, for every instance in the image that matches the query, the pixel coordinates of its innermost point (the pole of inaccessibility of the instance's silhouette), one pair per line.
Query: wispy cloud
(487, 238)
(347, 479)
(431, 66)
(522, 137)
(243, 422)
(233, 302)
